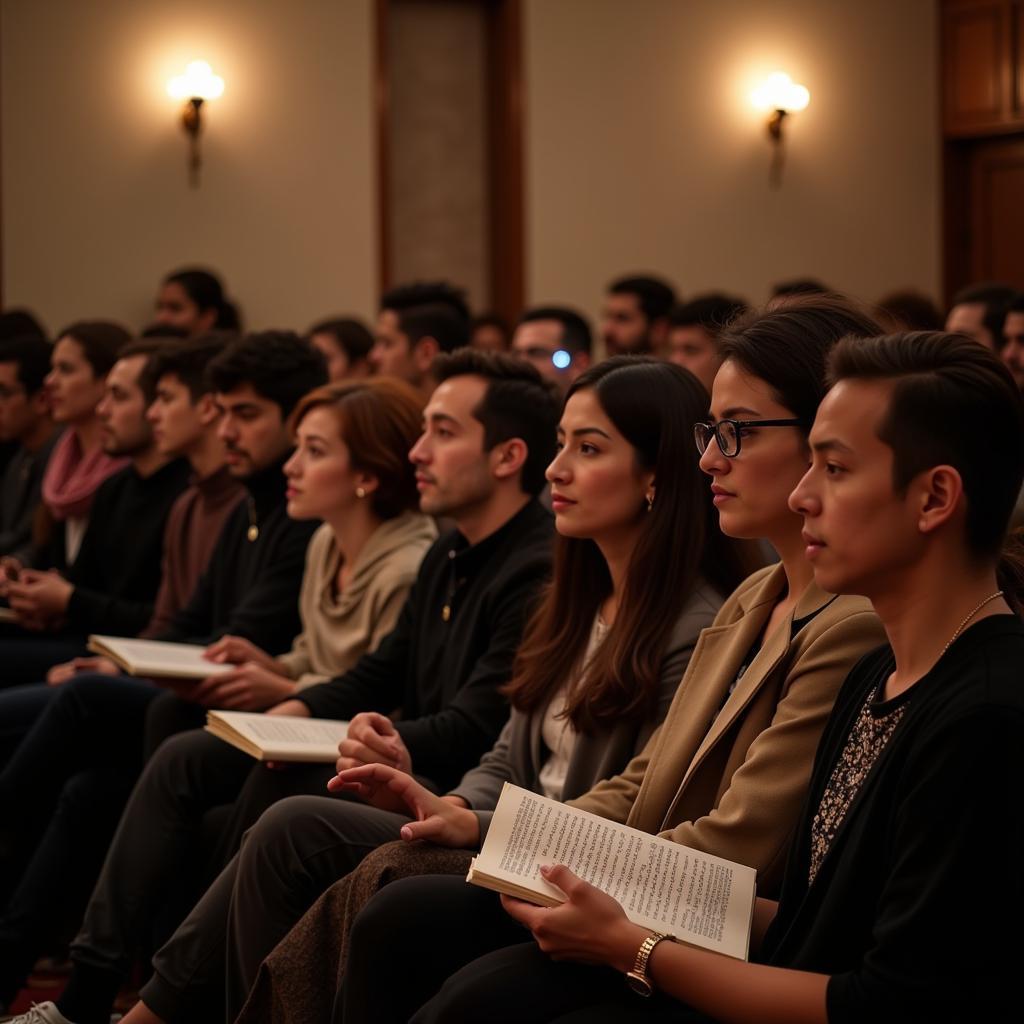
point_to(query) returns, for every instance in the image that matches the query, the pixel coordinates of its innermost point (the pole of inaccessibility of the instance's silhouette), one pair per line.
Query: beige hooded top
(337, 629)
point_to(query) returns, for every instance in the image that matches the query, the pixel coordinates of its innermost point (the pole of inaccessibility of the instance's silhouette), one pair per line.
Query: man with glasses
(556, 340)
(24, 419)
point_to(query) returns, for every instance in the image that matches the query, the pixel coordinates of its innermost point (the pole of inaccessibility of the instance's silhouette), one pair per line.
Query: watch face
(641, 986)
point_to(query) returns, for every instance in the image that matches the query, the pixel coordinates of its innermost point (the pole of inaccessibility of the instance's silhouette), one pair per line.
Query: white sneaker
(41, 1013)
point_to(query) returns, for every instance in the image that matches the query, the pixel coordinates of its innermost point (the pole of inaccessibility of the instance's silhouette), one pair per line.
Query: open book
(697, 898)
(279, 737)
(156, 659)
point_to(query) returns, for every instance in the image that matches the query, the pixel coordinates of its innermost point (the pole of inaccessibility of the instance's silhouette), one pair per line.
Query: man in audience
(634, 320)
(556, 340)
(1012, 352)
(489, 432)
(415, 323)
(25, 420)
(978, 311)
(693, 332)
(111, 585)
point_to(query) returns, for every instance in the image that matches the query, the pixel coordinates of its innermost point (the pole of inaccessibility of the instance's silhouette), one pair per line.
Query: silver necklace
(974, 611)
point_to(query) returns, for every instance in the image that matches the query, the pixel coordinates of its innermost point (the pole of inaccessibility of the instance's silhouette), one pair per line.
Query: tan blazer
(728, 775)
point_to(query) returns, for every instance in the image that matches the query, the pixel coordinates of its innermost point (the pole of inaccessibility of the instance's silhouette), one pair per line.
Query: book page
(282, 736)
(661, 885)
(158, 657)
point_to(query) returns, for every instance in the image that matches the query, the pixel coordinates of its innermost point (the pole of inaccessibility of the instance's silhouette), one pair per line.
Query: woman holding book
(350, 469)
(727, 771)
(639, 571)
(902, 895)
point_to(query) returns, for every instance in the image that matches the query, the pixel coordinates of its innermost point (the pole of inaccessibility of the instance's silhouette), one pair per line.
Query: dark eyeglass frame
(704, 440)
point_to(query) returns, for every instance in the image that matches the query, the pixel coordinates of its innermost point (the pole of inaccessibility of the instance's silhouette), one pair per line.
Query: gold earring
(360, 492)
(650, 502)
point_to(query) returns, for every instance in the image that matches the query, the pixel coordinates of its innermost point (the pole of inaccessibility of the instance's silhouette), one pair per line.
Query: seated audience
(883, 915)
(417, 322)
(693, 331)
(488, 434)
(634, 320)
(26, 422)
(345, 344)
(360, 566)
(556, 340)
(193, 300)
(1012, 352)
(112, 584)
(489, 333)
(639, 567)
(979, 311)
(909, 311)
(80, 362)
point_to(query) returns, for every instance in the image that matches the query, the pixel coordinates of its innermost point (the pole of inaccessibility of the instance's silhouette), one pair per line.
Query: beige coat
(338, 629)
(728, 775)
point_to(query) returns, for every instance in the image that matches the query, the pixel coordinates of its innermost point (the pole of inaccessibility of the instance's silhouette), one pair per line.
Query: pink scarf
(72, 477)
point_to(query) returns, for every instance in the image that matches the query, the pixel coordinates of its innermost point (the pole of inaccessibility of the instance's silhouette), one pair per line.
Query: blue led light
(561, 359)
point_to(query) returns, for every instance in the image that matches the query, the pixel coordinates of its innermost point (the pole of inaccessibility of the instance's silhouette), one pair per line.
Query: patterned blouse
(871, 731)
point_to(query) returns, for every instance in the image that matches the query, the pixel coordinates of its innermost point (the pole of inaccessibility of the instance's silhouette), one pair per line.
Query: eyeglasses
(560, 358)
(728, 433)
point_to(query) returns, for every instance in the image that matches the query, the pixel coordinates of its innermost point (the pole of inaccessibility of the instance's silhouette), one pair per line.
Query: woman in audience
(350, 469)
(902, 896)
(345, 345)
(193, 300)
(640, 569)
(727, 772)
(81, 359)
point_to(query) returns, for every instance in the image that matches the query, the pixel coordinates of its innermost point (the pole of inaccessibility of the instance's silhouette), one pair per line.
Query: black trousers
(26, 657)
(65, 787)
(298, 848)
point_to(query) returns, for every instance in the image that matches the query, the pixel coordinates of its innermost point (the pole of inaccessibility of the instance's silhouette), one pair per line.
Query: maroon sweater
(193, 527)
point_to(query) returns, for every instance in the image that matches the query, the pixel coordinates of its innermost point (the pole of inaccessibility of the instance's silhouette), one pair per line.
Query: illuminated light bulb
(779, 92)
(198, 82)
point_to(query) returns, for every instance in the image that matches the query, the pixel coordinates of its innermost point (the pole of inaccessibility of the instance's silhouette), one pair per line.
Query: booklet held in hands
(279, 737)
(697, 898)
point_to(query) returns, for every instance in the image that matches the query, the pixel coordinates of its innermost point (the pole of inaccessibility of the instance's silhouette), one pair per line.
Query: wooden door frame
(506, 208)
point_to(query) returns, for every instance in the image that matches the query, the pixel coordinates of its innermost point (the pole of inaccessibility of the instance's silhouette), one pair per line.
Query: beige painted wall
(96, 204)
(644, 152)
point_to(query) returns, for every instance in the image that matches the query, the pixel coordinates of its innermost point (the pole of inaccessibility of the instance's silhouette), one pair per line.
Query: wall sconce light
(780, 95)
(197, 85)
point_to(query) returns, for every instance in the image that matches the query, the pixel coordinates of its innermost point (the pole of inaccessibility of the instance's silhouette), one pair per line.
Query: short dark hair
(713, 312)
(1016, 304)
(20, 323)
(164, 331)
(100, 341)
(351, 334)
(518, 402)
(279, 366)
(996, 298)
(787, 347)
(205, 289)
(149, 348)
(31, 356)
(801, 286)
(436, 320)
(656, 297)
(576, 335)
(911, 311)
(426, 293)
(944, 387)
(189, 361)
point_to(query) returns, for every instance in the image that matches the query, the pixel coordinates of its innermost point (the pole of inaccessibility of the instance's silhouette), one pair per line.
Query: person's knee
(277, 834)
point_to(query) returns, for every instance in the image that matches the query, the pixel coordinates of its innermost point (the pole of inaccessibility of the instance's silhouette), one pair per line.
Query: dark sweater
(20, 485)
(118, 568)
(916, 910)
(443, 672)
(251, 587)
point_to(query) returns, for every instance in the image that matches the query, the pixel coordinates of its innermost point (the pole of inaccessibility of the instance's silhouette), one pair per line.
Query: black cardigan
(926, 873)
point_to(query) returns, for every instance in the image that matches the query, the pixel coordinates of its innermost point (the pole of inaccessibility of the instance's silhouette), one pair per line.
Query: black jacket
(251, 587)
(442, 669)
(916, 909)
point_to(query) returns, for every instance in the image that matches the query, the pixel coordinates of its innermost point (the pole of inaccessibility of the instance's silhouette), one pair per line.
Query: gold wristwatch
(637, 978)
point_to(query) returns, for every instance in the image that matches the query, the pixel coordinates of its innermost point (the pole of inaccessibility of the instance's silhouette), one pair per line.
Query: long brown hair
(654, 406)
